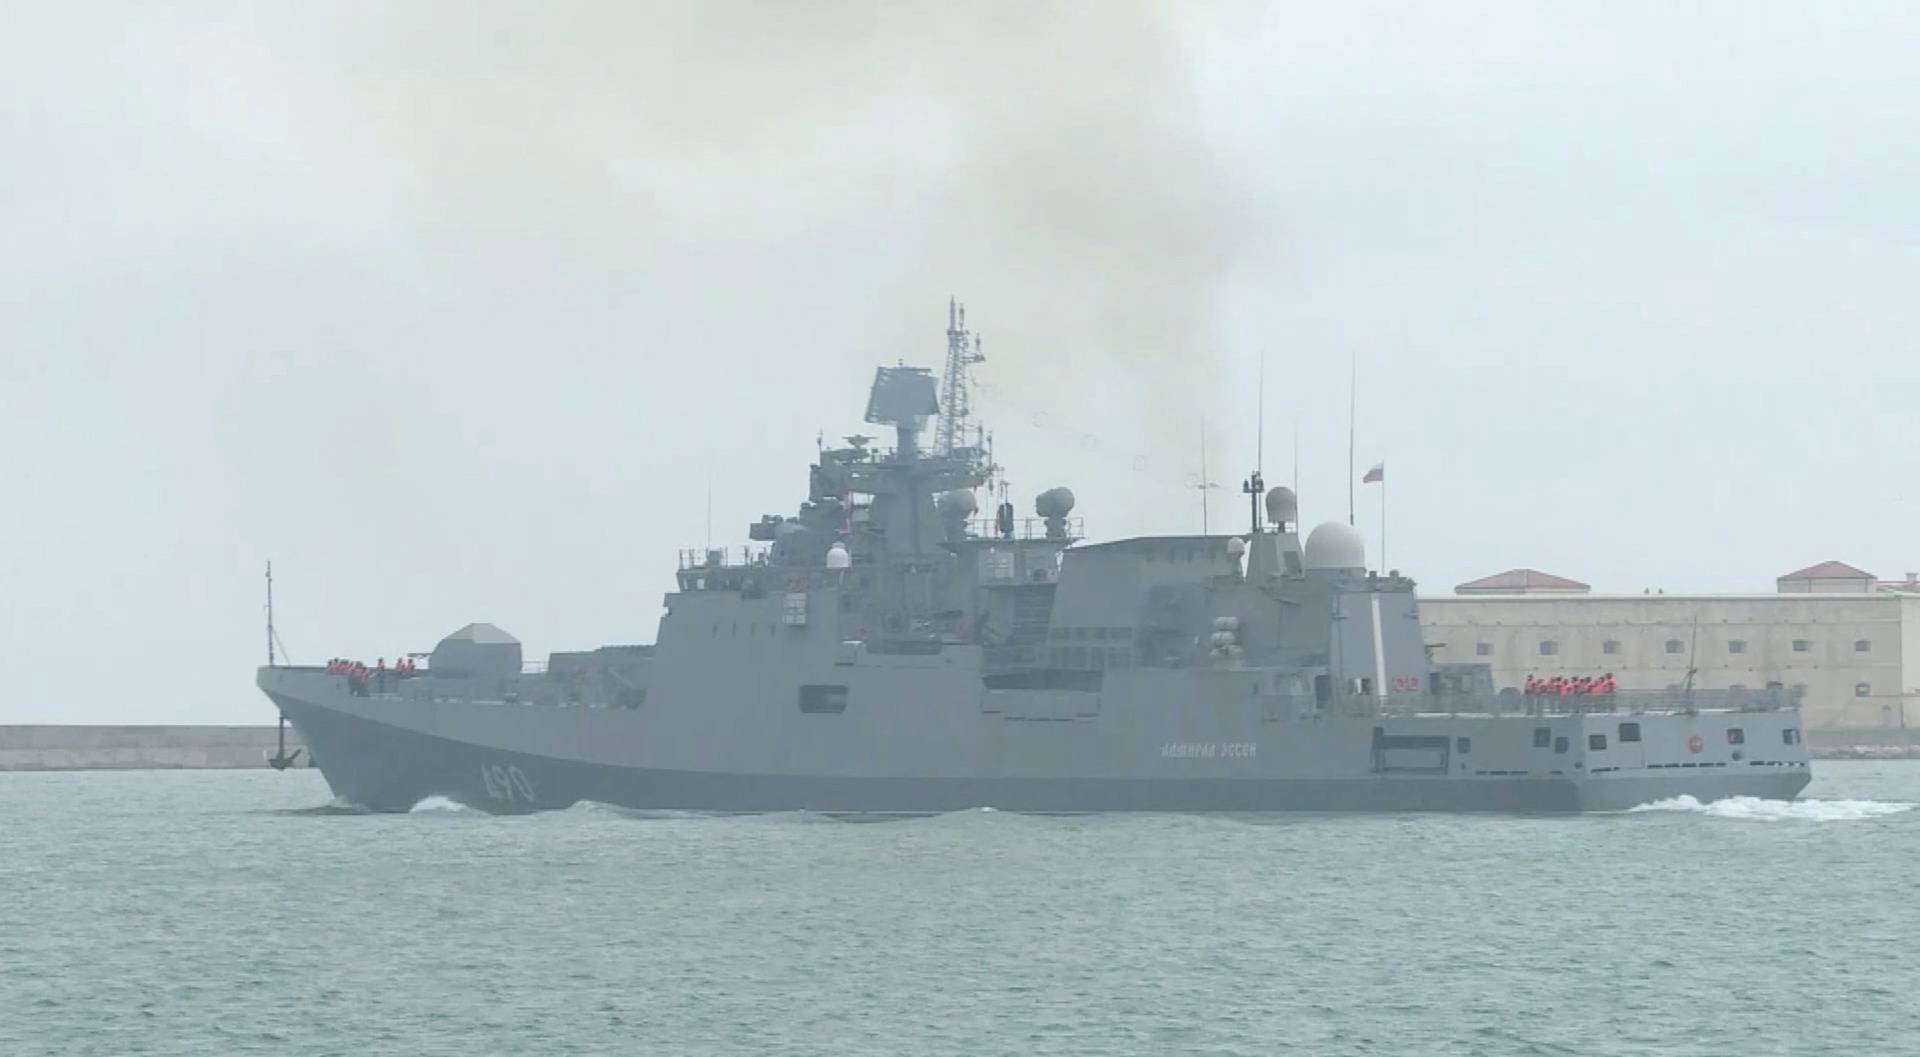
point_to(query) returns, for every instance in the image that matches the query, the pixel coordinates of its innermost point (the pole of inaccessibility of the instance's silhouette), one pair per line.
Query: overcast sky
(456, 311)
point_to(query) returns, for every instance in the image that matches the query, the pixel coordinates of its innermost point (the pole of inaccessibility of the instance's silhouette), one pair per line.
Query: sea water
(202, 913)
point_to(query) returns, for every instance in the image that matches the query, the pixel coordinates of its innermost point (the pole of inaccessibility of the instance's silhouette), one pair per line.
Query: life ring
(1695, 743)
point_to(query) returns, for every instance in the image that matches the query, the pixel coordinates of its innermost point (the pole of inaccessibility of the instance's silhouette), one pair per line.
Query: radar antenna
(963, 351)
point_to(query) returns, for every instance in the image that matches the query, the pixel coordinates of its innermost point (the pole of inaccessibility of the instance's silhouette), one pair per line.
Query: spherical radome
(1282, 505)
(1336, 546)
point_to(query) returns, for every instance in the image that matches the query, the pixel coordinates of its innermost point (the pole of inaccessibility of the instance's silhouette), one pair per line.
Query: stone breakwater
(138, 748)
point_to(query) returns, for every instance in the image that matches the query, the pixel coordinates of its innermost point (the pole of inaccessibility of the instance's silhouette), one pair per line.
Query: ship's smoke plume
(1046, 162)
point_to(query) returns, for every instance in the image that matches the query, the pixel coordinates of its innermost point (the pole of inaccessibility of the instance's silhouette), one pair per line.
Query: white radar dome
(1282, 506)
(1236, 547)
(1336, 546)
(837, 556)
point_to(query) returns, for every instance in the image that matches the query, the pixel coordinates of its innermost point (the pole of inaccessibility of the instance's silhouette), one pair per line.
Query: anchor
(281, 759)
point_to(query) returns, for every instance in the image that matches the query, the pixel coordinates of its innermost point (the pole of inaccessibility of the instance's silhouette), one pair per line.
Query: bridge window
(1629, 732)
(1596, 742)
(1542, 737)
(823, 699)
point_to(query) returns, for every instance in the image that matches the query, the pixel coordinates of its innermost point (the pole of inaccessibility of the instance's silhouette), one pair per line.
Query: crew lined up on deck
(342, 666)
(360, 677)
(1579, 686)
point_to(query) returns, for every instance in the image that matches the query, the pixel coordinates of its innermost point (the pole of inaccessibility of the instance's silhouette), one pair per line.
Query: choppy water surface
(228, 913)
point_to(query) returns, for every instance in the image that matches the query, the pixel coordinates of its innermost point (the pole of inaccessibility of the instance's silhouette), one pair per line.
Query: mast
(963, 351)
(270, 658)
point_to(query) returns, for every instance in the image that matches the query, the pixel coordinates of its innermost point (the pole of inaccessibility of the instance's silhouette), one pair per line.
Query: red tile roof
(1829, 571)
(1522, 580)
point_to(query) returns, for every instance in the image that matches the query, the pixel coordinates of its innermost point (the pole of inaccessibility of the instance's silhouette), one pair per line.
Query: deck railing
(1623, 702)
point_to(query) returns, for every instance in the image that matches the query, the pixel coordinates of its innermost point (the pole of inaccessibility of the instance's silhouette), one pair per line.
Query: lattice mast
(963, 351)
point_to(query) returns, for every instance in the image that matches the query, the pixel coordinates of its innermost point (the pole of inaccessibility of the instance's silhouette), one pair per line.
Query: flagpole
(1383, 522)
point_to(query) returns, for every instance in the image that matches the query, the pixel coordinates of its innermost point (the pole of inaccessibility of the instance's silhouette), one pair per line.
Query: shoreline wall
(139, 748)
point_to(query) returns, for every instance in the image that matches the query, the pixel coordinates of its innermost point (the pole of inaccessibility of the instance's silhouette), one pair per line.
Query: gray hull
(882, 650)
(389, 763)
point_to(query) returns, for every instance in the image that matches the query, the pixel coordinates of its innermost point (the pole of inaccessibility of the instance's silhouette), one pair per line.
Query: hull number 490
(507, 784)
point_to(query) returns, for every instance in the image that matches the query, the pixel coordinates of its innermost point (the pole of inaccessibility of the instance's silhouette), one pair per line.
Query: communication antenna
(1296, 456)
(1260, 427)
(1353, 403)
(963, 351)
(1205, 484)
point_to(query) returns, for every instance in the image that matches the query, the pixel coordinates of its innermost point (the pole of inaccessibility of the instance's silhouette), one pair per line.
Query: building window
(823, 699)
(1549, 648)
(1463, 746)
(1862, 690)
(1629, 732)
(1736, 645)
(1802, 646)
(1675, 646)
(1862, 646)
(1596, 742)
(1542, 737)
(1483, 649)
(1610, 647)
(1736, 736)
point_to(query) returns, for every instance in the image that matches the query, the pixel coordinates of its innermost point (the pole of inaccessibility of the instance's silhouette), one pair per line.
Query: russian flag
(1376, 475)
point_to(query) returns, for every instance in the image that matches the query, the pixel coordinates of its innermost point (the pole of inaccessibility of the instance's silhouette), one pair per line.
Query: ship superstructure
(890, 647)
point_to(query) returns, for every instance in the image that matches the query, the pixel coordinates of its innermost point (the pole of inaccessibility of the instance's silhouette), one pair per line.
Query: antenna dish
(837, 556)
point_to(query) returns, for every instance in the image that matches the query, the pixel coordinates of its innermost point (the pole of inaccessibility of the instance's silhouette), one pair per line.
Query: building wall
(1767, 629)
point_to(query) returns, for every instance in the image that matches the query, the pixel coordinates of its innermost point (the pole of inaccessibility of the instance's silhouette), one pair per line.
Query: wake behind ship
(883, 649)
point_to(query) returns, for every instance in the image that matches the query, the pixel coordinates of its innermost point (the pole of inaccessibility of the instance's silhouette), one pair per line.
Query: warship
(891, 648)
